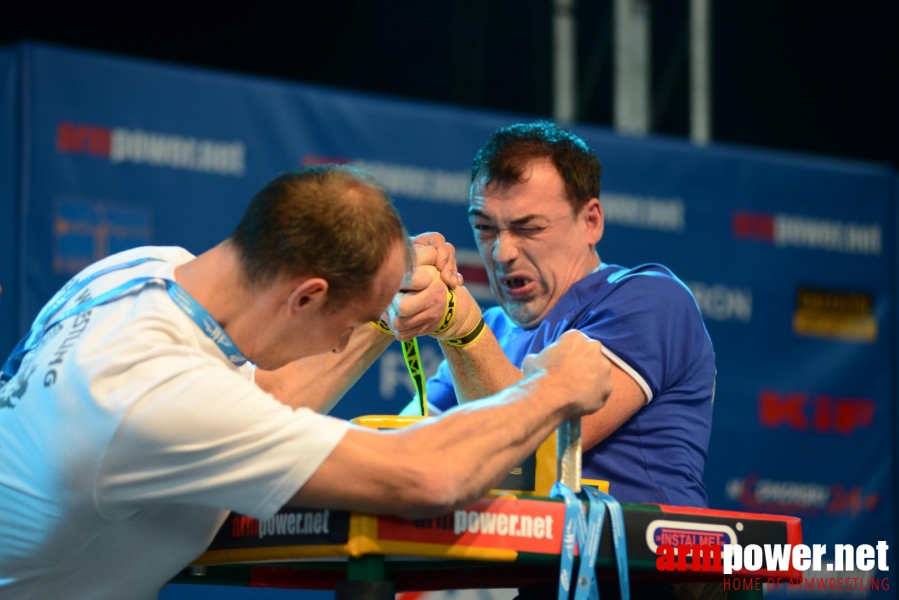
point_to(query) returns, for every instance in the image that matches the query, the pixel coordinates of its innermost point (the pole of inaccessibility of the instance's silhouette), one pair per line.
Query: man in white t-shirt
(132, 418)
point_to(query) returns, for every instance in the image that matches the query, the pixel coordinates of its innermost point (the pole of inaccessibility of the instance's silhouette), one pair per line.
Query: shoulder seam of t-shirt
(630, 371)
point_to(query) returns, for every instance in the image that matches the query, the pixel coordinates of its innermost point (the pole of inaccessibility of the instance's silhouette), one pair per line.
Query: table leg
(365, 581)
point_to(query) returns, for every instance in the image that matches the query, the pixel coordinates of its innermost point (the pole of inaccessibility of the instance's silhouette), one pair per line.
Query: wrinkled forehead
(542, 195)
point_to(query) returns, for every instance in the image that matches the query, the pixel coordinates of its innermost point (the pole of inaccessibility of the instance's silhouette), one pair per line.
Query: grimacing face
(534, 248)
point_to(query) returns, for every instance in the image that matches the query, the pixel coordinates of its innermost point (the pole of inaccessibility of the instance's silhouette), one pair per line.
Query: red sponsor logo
(76, 138)
(801, 411)
(747, 225)
(244, 527)
(689, 557)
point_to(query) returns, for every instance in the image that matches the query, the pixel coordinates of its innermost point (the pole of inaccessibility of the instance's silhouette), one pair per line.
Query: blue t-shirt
(650, 326)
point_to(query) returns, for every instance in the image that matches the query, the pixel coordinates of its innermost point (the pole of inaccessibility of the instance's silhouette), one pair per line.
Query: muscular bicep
(626, 399)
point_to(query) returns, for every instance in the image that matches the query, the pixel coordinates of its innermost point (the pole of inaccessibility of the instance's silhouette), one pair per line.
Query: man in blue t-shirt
(537, 220)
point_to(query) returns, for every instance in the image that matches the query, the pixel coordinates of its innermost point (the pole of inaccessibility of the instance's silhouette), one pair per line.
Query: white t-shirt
(126, 438)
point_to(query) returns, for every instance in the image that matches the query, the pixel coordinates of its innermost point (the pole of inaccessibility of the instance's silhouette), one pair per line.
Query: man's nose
(505, 248)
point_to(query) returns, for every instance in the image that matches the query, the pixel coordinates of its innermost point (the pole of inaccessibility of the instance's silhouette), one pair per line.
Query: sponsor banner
(504, 524)
(84, 231)
(158, 149)
(10, 265)
(802, 498)
(536, 526)
(819, 413)
(289, 527)
(664, 532)
(835, 314)
(720, 302)
(644, 212)
(812, 233)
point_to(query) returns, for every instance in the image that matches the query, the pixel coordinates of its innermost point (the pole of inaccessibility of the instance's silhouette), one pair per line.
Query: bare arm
(626, 399)
(482, 368)
(319, 382)
(393, 472)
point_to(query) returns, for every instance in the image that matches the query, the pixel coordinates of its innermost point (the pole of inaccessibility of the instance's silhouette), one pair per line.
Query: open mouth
(518, 287)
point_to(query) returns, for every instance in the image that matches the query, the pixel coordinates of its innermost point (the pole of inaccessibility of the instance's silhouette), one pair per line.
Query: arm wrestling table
(502, 541)
(497, 542)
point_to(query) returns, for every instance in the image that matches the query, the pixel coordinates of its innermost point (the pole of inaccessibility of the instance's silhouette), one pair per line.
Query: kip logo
(795, 231)
(801, 411)
(121, 145)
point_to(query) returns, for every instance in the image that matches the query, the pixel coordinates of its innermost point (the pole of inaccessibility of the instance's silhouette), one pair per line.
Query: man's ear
(308, 293)
(592, 215)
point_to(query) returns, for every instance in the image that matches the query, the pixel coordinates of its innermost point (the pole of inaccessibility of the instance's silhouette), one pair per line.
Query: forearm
(480, 369)
(485, 440)
(319, 382)
(394, 473)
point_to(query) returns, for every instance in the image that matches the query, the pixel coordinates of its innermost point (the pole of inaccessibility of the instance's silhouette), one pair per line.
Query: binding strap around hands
(412, 354)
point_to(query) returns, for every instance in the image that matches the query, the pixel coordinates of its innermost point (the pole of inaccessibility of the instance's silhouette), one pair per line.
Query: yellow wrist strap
(448, 313)
(381, 326)
(469, 337)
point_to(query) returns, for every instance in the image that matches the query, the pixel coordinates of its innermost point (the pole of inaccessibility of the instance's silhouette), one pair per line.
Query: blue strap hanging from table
(586, 533)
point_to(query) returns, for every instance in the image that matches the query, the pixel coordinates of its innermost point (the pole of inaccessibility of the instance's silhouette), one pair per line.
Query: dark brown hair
(328, 221)
(504, 158)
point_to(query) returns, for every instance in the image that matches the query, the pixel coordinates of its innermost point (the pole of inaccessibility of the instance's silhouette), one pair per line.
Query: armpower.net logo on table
(771, 566)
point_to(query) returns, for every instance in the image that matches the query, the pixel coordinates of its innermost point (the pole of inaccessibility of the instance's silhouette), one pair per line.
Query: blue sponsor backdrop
(9, 254)
(118, 153)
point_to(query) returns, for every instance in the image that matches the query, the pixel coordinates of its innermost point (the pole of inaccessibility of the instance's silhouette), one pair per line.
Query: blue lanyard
(586, 533)
(574, 525)
(178, 294)
(619, 540)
